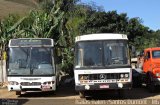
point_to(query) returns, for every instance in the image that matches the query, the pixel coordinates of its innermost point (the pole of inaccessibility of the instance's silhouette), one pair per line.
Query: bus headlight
(48, 83)
(13, 83)
(83, 77)
(126, 75)
(122, 75)
(157, 74)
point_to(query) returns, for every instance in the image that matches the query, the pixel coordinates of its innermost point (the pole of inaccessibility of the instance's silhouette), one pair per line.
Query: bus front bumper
(104, 86)
(156, 81)
(31, 88)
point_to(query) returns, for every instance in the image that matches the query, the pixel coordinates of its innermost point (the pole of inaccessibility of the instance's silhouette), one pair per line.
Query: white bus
(31, 65)
(102, 62)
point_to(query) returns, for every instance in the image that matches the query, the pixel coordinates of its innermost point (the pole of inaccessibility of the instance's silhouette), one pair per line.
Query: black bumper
(107, 86)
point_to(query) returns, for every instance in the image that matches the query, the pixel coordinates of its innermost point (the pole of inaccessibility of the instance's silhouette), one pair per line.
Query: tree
(102, 22)
(9, 28)
(111, 22)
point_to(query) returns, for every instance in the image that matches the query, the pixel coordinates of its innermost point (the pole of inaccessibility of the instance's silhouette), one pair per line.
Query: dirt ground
(66, 95)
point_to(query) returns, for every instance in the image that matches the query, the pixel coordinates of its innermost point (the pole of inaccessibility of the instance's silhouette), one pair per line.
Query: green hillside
(31, 3)
(11, 6)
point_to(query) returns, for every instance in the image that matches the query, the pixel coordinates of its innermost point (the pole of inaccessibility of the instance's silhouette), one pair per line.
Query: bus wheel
(150, 85)
(151, 88)
(18, 92)
(82, 94)
(121, 93)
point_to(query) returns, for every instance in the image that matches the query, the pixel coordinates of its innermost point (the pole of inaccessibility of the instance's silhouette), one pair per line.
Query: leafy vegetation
(62, 20)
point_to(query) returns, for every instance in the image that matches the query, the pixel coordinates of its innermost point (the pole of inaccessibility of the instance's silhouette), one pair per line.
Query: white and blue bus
(31, 65)
(102, 62)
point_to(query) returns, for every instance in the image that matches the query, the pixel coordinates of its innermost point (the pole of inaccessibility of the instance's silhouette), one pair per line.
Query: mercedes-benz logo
(102, 76)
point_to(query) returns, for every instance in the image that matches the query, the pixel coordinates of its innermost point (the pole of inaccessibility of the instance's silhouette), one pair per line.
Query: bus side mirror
(72, 49)
(146, 58)
(58, 59)
(133, 51)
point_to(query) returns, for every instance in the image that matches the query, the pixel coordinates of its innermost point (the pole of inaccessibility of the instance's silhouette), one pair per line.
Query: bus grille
(102, 76)
(30, 84)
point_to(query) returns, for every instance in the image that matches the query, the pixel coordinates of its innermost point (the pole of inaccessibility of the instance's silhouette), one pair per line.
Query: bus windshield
(156, 54)
(101, 54)
(30, 61)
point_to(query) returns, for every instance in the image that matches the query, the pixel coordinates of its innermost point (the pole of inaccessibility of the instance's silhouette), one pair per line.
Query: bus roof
(102, 36)
(34, 42)
(152, 49)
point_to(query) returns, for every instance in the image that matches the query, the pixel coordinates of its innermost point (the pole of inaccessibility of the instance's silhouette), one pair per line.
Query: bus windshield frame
(156, 54)
(31, 61)
(101, 54)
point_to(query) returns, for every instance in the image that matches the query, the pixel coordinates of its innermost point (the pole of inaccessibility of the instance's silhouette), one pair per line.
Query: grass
(31, 3)
(12, 7)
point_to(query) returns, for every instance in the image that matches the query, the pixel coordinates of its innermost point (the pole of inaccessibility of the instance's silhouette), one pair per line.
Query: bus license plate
(45, 88)
(104, 86)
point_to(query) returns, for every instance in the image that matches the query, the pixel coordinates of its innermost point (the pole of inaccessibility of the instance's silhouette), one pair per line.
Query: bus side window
(147, 56)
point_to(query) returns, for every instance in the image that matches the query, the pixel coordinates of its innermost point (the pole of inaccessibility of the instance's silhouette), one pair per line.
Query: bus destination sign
(30, 42)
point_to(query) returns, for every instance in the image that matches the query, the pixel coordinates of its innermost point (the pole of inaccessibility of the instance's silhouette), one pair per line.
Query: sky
(147, 10)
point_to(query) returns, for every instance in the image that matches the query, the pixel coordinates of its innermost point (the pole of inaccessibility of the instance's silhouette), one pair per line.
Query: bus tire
(151, 88)
(82, 94)
(121, 93)
(150, 85)
(54, 92)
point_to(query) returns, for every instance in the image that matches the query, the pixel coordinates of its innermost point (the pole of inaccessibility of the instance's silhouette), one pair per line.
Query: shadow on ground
(134, 93)
(67, 89)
